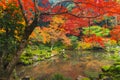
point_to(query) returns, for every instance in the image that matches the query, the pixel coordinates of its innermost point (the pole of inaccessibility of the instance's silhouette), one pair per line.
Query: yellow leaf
(2, 31)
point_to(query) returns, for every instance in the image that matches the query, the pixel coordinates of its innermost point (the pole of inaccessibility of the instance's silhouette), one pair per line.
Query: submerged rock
(82, 78)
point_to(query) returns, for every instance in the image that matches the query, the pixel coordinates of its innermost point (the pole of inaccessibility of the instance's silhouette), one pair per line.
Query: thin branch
(37, 11)
(22, 10)
(85, 16)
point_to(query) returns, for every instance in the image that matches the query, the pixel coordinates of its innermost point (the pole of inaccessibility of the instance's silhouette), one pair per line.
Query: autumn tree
(52, 33)
(36, 12)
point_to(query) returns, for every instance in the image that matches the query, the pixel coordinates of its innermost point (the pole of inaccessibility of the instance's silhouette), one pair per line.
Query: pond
(71, 64)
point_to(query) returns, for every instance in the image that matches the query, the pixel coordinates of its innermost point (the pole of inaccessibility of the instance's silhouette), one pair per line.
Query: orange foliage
(73, 24)
(95, 40)
(53, 32)
(5, 2)
(115, 33)
(73, 20)
(92, 8)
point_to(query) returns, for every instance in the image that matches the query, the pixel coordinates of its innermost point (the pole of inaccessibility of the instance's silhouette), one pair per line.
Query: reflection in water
(72, 64)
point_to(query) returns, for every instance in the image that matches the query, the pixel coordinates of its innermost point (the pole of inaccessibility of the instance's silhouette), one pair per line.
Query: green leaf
(105, 68)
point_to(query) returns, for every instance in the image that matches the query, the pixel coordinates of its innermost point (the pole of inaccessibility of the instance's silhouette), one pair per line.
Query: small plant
(25, 59)
(111, 72)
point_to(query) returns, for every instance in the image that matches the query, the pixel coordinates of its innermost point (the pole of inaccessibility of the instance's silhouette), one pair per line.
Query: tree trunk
(2, 70)
(6, 73)
(15, 59)
(3, 74)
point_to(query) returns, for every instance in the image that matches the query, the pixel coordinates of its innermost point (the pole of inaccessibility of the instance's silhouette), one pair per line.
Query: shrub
(111, 72)
(96, 30)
